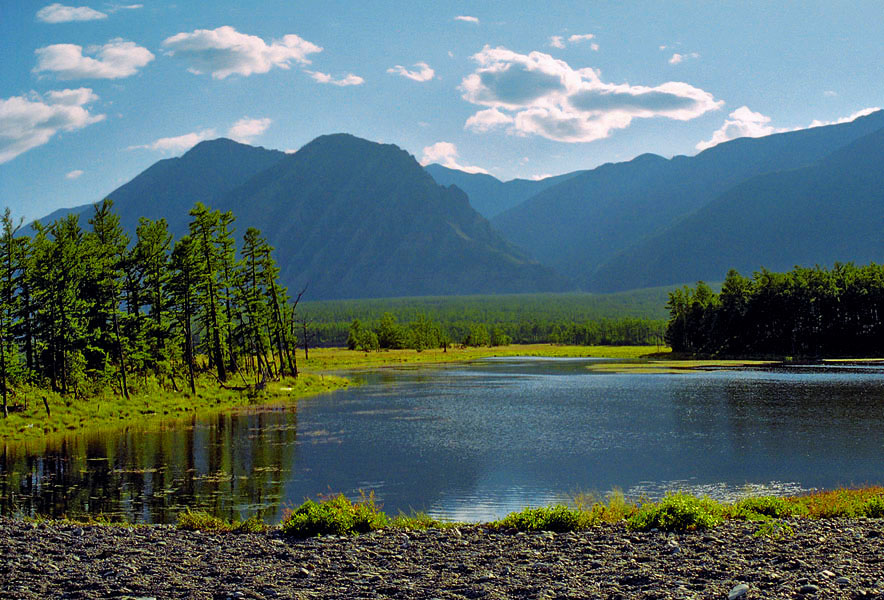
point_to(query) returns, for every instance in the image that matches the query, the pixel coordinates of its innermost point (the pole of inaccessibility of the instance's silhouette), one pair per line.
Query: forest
(82, 310)
(806, 312)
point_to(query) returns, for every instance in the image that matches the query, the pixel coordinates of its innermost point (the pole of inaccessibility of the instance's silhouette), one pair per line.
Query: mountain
(169, 188)
(580, 224)
(348, 217)
(352, 218)
(489, 195)
(832, 210)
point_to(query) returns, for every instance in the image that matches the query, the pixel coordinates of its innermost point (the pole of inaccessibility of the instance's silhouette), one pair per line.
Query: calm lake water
(474, 442)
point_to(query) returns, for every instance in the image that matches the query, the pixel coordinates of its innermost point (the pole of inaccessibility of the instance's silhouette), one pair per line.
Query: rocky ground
(822, 559)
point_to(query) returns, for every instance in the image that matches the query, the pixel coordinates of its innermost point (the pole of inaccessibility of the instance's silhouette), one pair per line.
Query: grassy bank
(339, 515)
(333, 359)
(147, 404)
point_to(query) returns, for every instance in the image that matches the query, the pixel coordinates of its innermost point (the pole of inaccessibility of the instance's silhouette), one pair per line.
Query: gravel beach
(822, 559)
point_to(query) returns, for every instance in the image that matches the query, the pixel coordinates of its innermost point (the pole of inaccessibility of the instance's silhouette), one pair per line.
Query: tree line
(425, 332)
(84, 309)
(808, 312)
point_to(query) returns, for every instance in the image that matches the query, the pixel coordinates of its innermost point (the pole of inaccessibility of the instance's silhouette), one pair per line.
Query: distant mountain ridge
(830, 211)
(355, 219)
(578, 225)
(349, 218)
(489, 195)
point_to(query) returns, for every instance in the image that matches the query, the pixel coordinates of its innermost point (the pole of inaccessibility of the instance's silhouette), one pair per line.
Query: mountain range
(351, 218)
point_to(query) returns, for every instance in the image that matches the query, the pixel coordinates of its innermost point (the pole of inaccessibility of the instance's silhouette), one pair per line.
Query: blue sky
(92, 94)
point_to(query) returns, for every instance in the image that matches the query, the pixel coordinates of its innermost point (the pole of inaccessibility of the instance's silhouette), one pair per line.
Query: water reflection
(477, 441)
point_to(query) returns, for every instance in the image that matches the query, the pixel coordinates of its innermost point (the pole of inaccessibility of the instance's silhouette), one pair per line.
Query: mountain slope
(488, 195)
(351, 218)
(169, 188)
(830, 211)
(581, 223)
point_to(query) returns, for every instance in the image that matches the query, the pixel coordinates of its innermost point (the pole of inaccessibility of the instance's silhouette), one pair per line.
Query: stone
(738, 591)
(808, 588)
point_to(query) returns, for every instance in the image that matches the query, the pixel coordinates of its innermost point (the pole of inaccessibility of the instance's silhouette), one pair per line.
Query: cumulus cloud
(114, 60)
(422, 73)
(830, 93)
(225, 51)
(178, 143)
(540, 95)
(744, 122)
(556, 41)
(350, 79)
(30, 121)
(467, 18)
(445, 153)
(679, 58)
(246, 129)
(74, 174)
(58, 13)
(488, 119)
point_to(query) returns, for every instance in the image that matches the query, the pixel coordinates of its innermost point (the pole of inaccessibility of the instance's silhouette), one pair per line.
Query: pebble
(472, 562)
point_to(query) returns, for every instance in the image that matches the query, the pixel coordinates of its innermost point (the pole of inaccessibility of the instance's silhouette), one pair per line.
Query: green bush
(201, 520)
(336, 515)
(764, 507)
(677, 512)
(548, 518)
(873, 507)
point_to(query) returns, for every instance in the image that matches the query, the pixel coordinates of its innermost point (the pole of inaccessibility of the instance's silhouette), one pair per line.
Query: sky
(93, 94)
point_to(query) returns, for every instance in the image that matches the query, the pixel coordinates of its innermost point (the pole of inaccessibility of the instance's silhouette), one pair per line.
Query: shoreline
(835, 558)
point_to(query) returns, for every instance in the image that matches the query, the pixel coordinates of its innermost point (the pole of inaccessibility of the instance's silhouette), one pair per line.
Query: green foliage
(677, 512)
(558, 517)
(203, 521)
(774, 529)
(765, 507)
(805, 312)
(336, 515)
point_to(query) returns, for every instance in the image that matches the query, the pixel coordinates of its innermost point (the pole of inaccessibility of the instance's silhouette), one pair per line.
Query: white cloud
(830, 93)
(848, 119)
(247, 129)
(539, 176)
(445, 153)
(488, 119)
(556, 41)
(28, 122)
(545, 96)
(116, 59)
(225, 51)
(177, 143)
(58, 13)
(467, 18)
(594, 47)
(422, 73)
(746, 123)
(117, 7)
(740, 123)
(73, 174)
(576, 39)
(350, 79)
(678, 58)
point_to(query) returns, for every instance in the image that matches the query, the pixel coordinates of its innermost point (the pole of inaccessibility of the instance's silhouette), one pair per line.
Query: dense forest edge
(804, 313)
(98, 329)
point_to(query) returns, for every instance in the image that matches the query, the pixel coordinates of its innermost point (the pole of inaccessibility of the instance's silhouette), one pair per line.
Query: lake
(476, 441)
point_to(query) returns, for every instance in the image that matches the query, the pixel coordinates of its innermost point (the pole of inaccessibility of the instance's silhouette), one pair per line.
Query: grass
(148, 405)
(337, 359)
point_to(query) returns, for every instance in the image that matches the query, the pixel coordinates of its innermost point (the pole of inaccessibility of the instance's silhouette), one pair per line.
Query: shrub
(774, 529)
(873, 507)
(549, 518)
(677, 512)
(765, 507)
(336, 515)
(202, 521)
